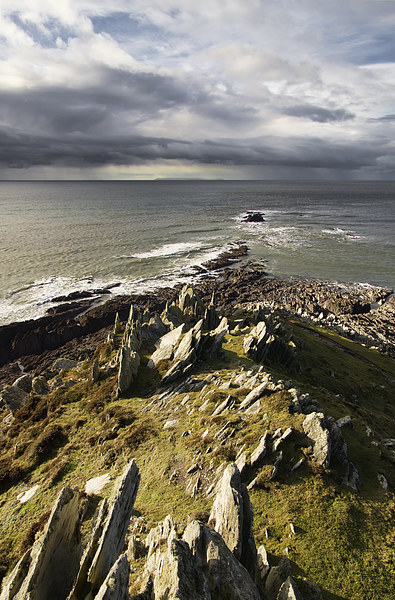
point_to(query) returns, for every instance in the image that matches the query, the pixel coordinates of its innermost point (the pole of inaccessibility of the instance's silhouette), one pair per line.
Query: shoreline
(362, 314)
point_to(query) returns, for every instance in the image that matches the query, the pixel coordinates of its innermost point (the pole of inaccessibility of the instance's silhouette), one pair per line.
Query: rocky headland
(233, 439)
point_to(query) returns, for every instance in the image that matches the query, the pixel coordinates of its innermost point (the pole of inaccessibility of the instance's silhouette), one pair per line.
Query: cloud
(319, 114)
(243, 84)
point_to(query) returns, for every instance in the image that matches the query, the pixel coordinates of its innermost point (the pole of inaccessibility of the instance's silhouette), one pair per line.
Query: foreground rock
(232, 516)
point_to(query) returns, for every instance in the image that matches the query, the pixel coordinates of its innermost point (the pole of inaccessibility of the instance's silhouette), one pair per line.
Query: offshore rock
(232, 514)
(115, 586)
(53, 559)
(315, 428)
(218, 573)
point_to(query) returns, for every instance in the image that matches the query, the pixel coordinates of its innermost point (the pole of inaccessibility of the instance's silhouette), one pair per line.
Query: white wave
(284, 236)
(166, 250)
(348, 233)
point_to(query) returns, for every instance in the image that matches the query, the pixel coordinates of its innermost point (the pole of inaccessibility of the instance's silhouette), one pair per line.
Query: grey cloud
(318, 114)
(384, 118)
(19, 150)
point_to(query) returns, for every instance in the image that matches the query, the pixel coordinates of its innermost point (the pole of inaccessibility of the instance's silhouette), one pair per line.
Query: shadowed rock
(289, 591)
(276, 577)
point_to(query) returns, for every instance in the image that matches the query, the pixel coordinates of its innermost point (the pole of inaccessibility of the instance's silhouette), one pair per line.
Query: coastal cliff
(230, 440)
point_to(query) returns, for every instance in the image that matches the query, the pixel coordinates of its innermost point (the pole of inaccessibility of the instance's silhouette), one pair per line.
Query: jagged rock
(242, 462)
(117, 325)
(352, 476)
(154, 328)
(217, 571)
(262, 563)
(210, 319)
(276, 577)
(315, 428)
(223, 406)
(13, 397)
(254, 343)
(232, 514)
(95, 372)
(254, 408)
(260, 451)
(165, 346)
(212, 341)
(115, 526)
(339, 448)
(115, 586)
(13, 582)
(190, 304)
(281, 439)
(382, 481)
(40, 386)
(129, 362)
(253, 396)
(53, 559)
(276, 465)
(163, 531)
(172, 316)
(289, 591)
(24, 383)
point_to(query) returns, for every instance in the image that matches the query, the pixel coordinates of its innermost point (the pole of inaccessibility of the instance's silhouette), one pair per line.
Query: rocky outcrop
(289, 591)
(232, 516)
(128, 356)
(13, 397)
(114, 527)
(264, 344)
(48, 570)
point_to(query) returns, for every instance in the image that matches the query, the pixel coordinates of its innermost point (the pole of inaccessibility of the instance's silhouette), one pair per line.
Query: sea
(57, 237)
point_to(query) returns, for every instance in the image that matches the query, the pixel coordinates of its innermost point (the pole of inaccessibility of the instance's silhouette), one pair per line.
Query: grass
(343, 540)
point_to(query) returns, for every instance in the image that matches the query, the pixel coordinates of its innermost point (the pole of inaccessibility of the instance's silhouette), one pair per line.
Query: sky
(233, 89)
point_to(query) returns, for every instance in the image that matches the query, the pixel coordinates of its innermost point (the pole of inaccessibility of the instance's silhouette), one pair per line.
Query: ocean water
(58, 237)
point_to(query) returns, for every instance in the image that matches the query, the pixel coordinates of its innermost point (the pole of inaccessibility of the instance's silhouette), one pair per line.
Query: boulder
(13, 397)
(40, 386)
(232, 514)
(24, 383)
(315, 428)
(165, 346)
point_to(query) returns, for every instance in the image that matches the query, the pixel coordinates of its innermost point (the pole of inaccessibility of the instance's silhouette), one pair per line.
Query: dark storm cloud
(19, 150)
(60, 109)
(318, 114)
